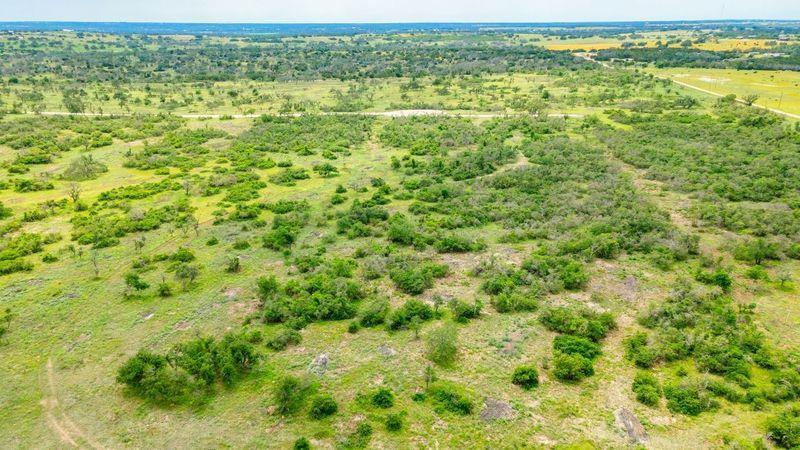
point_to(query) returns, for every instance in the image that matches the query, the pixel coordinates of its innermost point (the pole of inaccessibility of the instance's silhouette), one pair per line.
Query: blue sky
(393, 11)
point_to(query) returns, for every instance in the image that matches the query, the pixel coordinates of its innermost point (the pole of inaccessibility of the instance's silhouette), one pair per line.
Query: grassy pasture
(775, 89)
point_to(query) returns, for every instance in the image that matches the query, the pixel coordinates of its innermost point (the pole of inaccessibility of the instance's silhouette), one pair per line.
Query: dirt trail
(59, 421)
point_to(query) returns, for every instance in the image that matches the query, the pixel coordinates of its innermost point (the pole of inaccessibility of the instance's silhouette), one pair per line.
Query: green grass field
(611, 211)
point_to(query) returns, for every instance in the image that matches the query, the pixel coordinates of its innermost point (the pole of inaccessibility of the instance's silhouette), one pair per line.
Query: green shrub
(463, 312)
(442, 345)
(584, 323)
(571, 367)
(301, 444)
(290, 394)
(374, 313)
(570, 344)
(646, 388)
(416, 279)
(784, 428)
(322, 406)
(526, 377)
(450, 398)
(458, 244)
(516, 301)
(284, 338)
(756, 251)
(639, 351)
(360, 437)
(689, 398)
(382, 398)
(757, 273)
(719, 278)
(394, 422)
(402, 317)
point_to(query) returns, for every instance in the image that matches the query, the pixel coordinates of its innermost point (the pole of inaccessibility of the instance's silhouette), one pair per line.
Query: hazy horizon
(411, 11)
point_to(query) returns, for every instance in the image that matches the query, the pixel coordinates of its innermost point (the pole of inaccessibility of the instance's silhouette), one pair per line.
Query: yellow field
(775, 89)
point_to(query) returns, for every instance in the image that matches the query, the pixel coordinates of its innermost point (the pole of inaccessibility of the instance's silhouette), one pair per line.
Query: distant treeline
(205, 61)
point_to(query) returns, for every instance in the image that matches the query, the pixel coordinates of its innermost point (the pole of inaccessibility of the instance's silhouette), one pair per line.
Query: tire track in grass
(58, 420)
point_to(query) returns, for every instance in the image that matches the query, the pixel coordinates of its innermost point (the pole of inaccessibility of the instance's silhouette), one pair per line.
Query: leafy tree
(442, 345)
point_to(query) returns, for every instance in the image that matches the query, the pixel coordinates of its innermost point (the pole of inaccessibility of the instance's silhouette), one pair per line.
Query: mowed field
(775, 89)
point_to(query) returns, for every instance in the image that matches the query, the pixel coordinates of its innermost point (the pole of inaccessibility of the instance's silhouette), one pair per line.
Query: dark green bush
(689, 398)
(571, 367)
(526, 377)
(394, 422)
(463, 312)
(449, 397)
(402, 317)
(382, 398)
(375, 313)
(584, 323)
(290, 394)
(284, 338)
(323, 405)
(570, 344)
(646, 388)
(784, 428)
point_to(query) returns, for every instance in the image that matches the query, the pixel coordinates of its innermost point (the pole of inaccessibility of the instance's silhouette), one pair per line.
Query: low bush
(584, 323)
(382, 398)
(442, 345)
(577, 345)
(526, 377)
(571, 367)
(463, 312)
(646, 388)
(374, 313)
(323, 405)
(784, 428)
(449, 397)
(290, 394)
(284, 338)
(413, 309)
(689, 398)
(394, 422)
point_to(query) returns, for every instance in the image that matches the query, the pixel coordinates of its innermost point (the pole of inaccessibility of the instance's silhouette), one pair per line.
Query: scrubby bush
(188, 367)
(454, 243)
(463, 312)
(394, 422)
(374, 313)
(301, 444)
(639, 351)
(718, 277)
(416, 279)
(571, 367)
(442, 345)
(526, 377)
(412, 309)
(784, 428)
(382, 398)
(449, 397)
(646, 388)
(284, 338)
(570, 344)
(290, 394)
(322, 406)
(756, 251)
(689, 398)
(584, 323)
